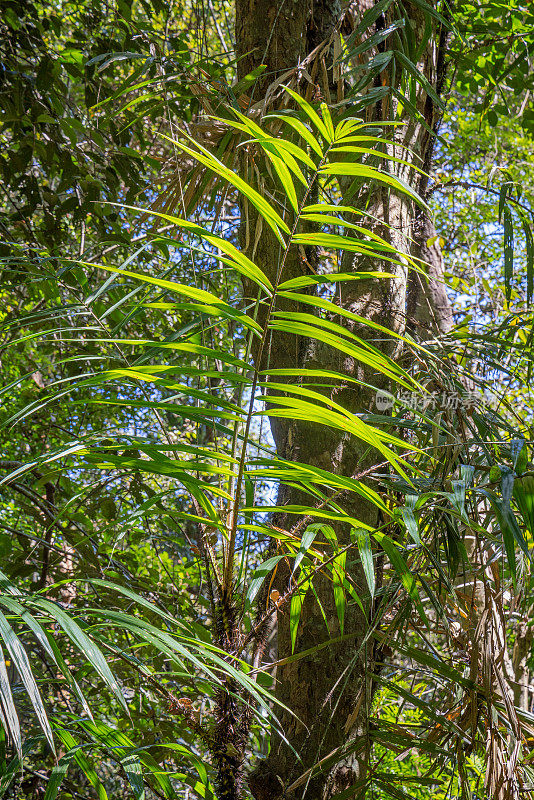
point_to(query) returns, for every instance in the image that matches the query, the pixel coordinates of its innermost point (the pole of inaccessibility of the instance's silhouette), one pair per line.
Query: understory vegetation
(266, 340)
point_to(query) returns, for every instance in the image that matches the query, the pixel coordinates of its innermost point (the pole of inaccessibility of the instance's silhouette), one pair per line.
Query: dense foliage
(180, 253)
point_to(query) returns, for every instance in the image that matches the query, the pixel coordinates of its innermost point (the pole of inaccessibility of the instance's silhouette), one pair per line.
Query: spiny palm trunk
(330, 692)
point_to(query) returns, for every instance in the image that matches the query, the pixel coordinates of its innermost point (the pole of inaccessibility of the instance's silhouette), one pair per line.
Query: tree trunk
(330, 692)
(428, 310)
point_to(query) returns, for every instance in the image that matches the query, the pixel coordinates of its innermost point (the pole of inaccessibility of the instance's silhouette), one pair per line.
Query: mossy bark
(329, 693)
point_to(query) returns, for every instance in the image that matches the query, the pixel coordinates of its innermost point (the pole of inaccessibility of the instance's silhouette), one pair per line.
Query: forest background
(267, 492)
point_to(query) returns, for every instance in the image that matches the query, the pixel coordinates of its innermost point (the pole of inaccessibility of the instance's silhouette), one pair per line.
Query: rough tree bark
(330, 692)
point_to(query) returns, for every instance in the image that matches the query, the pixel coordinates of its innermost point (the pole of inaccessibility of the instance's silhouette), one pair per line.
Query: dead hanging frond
(317, 76)
(505, 736)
